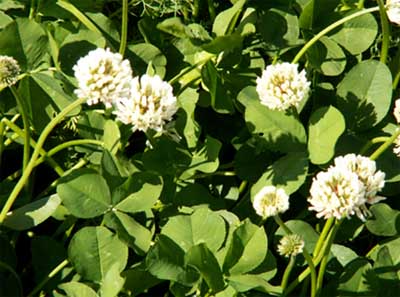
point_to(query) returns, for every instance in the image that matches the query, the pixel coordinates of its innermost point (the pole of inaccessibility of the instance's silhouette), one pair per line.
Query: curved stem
(43, 136)
(25, 122)
(57, 168)
(373, 141)
(385, 145)
(307, 257)
(327, 250)
(286, 274)
(67, 144)
(385, 32)
(124, 27)
(336, 24)
(221, 173)
(187, 70)
(48, 277)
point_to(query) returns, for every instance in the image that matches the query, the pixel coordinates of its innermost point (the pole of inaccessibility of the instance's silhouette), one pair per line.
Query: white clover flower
(270, 201)
(365, 168)
(396, 111)
(393, 11)
(281, 86)
(337, 193)
(290, 245)
(9, 70)
(103, 76)
(150, 105)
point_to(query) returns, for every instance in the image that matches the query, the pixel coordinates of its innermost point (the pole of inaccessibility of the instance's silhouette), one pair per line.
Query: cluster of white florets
(290, 245)
(9, 70)
(143, 102)
(345, 188)
(396, 113)
(393, 11)
(270, 201)
(281, 86)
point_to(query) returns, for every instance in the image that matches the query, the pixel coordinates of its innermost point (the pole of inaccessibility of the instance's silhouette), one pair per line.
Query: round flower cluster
(290, 245)
(281, 86)
(144, 102)
(393, 11)
(9, 70)
(150, 105)
(270, 201)
(396, 113)
(346, 187)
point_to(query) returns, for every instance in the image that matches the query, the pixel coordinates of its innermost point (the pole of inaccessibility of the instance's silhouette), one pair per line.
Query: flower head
(393, 11)
(150, 105)
(103, 76)
(396, 148)
(337, 193)
(290, 245)
(270, 201)
(365, 168)
(9, 70)
(282, 86)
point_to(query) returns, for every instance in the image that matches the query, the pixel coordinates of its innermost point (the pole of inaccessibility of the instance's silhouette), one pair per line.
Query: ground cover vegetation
(199, 148)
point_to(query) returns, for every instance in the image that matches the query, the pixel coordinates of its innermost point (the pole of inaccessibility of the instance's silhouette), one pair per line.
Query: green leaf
(205, 159)
(384, 221)
(130, 231)
(94, 250)
(279, 131)
(343, 254)
(205, 262)
(26, 41)
(165, 260)
(75, 289)
(186, 122)
(138, 280)
(393, 246)
(220, 99)
(85, 194)
(327, 56)
(364, 95)
(32, 214)
(246, 282)
(111, 170)
(279, 28)
(112, 282)
(201, 226)
(386, 269)
(248, 248)
(196, 195)
(143, 190)
(144, 53)
(111, 136)
(363, 29)
(226, 20)
(354, 281)
(324, 129)
(288, 173)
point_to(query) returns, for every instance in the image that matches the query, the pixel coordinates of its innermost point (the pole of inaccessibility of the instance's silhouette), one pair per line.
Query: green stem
(221, 173)
(336, 24)
(48, 277)
(373, 141)
(396, 80)
(326, 252)
(385, 32)
(286, 274)
(25, 122)
(360, 4)
(211, 10)
(307, 257)
(187, 70)
(57, 168)
(242, 186)
(32, 10)
(43, 136)
(322, 236)
(385, 145)
(68, 144)
(124, 27)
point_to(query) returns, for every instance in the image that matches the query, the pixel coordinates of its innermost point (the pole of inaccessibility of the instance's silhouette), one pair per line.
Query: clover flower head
(365, 168)
(150, 105)
(337, 192)
(396, 111)
(393, 11)
(9, 70)
(290, 245)
(396, 148)
(103, 76)
(281, 86)
(270, 201)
